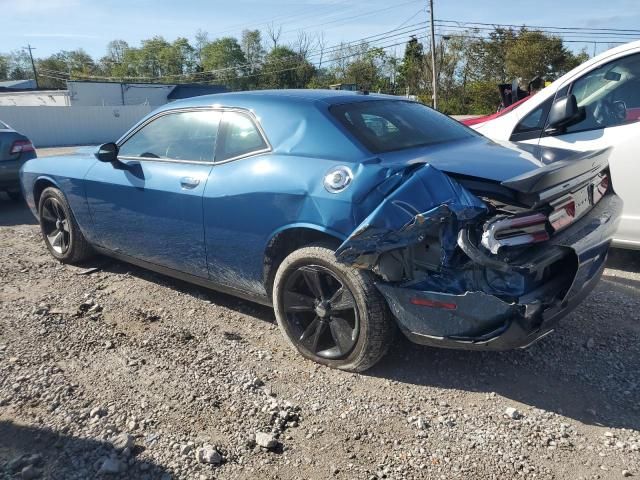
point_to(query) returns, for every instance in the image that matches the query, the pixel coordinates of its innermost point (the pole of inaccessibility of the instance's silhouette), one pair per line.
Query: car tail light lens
(513, 231)
(20, 146)
(563, 214)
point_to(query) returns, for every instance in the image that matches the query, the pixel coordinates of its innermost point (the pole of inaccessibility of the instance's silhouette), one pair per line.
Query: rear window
(388, 125)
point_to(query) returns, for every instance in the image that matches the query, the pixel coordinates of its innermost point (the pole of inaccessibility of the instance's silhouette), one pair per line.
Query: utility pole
(433, 58)
(33, 65)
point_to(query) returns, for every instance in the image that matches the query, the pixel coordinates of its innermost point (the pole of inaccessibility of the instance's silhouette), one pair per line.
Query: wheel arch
(290, 238)
(40, 185)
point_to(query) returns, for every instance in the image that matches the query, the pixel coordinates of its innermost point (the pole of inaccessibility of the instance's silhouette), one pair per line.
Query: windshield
(389, 125)
(3, 126)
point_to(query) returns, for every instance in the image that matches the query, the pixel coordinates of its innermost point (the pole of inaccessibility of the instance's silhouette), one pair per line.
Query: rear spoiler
(552, 180)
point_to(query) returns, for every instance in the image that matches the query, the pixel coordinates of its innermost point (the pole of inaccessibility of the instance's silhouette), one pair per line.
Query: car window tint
(535, 120)
(241, 137)
(609, 94)
(388, 125)
(176, 136)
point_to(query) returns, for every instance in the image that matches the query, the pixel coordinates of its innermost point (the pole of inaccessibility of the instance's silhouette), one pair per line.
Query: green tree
(251, 44)
(412, 70)
(19, 65)
(366, 69)
(534, 53)
(224, 59)
(4, 67)
(284, 68)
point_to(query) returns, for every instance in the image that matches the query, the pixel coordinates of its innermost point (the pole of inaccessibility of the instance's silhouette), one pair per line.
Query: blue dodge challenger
(353, 215)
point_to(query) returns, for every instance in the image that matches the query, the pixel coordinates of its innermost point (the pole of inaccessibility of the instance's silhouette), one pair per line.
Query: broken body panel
(445, 288)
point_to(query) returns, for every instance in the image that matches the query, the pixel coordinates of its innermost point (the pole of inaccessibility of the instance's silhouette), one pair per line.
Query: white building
(34, 98)
(105, 94)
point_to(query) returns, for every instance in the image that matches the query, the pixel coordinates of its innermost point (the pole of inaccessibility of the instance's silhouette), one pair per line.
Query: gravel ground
(122, 373)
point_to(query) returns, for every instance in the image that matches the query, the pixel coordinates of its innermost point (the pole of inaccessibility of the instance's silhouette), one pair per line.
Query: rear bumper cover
(481, 321)
(10, 174)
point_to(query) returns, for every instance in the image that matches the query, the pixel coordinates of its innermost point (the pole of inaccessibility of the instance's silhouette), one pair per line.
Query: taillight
(21, 146)
(513, 231)
(563, 214)
(600, 188)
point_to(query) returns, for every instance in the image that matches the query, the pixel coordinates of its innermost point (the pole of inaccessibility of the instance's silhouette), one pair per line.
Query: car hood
(476, 157)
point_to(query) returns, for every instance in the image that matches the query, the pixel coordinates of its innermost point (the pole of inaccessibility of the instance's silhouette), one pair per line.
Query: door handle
(189, 183)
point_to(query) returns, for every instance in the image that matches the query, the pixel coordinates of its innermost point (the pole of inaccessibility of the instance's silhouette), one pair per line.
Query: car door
(239, 204)
(610, 95)
(148, 205)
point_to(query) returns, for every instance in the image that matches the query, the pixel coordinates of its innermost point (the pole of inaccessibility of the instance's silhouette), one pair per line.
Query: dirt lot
(125, 373)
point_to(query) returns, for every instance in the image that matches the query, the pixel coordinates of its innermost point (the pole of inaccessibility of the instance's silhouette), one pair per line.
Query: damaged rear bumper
(481, 321)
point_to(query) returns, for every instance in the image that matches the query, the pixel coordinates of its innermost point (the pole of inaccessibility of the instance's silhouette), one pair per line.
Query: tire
(59, 228)
(313, 327)
(15, 196)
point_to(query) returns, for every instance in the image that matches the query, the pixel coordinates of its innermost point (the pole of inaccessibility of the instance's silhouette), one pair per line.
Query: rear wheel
(59, 228)
(331, 313)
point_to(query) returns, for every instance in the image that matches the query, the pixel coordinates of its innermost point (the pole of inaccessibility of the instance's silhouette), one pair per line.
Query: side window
(176, 136)
(536, 119)
(609, 94)
(240, 137)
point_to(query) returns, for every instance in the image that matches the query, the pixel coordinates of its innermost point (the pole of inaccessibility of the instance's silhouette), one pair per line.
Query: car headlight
(337, 179)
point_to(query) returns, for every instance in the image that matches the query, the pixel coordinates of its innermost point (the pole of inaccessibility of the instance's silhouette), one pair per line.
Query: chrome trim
(257, 124)
(220, 109)
(338, 169)
(245, 155)
(165, 160)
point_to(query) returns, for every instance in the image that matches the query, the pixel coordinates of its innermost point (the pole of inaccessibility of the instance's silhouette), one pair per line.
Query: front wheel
(60, 231)
(331, 313)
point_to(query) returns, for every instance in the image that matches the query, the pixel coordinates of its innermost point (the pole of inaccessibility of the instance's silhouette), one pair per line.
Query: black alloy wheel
(60, 232)
(321, 312)
(55, 225)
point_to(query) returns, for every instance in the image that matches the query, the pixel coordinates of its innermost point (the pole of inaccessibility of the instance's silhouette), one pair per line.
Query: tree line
(469, 66)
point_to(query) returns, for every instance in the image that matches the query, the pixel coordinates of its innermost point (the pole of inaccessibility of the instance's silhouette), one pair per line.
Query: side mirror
(619, 111)
(107, 152)
(564, 112)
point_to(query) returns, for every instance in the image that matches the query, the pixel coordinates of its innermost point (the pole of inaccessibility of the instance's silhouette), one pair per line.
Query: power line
(434, 76)
(515, 39)
(404, 31)
(637, 31)
(271, 72)
(562, 34)
(370, 12)
(33, 64)
(279, 18)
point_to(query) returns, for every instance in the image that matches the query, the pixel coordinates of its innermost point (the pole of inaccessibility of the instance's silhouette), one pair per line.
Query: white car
(594, 106)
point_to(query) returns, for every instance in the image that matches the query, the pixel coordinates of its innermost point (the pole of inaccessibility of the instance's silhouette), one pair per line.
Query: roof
(247, 99)
(189, 90)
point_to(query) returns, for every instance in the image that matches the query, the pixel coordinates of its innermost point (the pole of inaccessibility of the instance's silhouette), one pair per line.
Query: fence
(59, 126)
